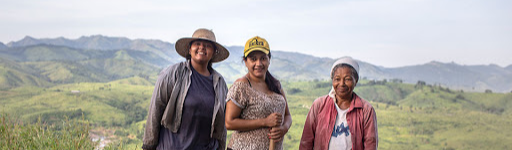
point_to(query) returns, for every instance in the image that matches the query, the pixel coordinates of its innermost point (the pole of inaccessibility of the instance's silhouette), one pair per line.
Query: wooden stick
(272, 145)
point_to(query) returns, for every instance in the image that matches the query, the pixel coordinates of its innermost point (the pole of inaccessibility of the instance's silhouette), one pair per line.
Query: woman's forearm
(234, 122)
(245, 124)
(287, 119)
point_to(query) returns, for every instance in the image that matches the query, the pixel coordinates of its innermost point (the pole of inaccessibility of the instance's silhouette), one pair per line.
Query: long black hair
(272, 83)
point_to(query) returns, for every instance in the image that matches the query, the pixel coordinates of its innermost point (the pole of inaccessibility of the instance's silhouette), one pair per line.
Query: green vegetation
(410, 116)
(63, 135)
(115, 109)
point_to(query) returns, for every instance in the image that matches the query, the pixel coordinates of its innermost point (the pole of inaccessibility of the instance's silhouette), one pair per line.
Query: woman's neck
(259, 84)
(201, 68)
(343, 102)
(255, 79)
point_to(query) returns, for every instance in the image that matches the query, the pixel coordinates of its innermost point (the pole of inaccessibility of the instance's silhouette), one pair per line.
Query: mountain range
(98, 58)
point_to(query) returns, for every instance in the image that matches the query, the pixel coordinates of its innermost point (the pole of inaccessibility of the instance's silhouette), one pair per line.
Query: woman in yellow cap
(187, 106)
(256, 106)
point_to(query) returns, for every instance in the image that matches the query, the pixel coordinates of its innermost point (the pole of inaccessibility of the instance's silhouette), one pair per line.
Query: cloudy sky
(388, 33)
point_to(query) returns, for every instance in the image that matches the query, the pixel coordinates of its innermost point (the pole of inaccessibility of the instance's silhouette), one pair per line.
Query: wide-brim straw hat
(183, 45)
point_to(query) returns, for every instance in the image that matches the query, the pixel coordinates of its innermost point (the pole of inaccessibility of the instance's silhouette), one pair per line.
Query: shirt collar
(216, 75)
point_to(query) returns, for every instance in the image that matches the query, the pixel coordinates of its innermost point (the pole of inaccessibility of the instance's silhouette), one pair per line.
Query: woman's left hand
(277, 133)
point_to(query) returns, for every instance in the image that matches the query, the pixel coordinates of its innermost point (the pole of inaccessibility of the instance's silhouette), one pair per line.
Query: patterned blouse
(254, 105)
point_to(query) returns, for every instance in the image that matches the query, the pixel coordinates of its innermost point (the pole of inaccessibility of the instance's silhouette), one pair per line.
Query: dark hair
(354, 72)
(188, 56)
(272, 83)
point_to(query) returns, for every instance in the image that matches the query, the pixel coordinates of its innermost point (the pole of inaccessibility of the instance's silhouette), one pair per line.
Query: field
(410, 116)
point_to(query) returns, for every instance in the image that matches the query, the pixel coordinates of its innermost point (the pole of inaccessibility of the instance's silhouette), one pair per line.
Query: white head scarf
(346, 60)
(343, 60)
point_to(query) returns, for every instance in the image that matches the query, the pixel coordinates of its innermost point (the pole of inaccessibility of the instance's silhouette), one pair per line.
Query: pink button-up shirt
(321, 118)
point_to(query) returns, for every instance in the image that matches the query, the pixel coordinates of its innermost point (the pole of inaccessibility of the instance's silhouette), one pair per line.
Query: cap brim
(182, 47)
(256, 49)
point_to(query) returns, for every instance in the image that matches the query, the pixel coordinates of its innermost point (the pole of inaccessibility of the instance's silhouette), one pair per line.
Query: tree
(420, 84)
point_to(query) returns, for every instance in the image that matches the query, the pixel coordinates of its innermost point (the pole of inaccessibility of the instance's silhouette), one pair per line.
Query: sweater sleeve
(370, 136)
(159, 100)
(221, 115)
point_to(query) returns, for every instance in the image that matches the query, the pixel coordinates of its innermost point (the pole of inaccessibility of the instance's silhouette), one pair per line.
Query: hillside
(59, 64)
(101, 104)
(284, 65)
(13, 75)
(509, 67)
(2, 46)
(99, 42)
(476, 77)
(409, 116)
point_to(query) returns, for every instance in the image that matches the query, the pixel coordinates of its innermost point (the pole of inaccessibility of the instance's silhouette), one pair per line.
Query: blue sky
(388, 33)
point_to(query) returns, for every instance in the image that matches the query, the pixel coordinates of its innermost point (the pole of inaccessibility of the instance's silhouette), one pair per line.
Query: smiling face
(257, 63)
(343, 82)
(201, 51)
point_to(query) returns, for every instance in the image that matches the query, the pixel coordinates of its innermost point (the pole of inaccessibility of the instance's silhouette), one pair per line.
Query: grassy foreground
(14, 134)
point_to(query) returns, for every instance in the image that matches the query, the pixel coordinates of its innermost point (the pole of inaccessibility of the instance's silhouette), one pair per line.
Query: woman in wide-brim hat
(187, 106)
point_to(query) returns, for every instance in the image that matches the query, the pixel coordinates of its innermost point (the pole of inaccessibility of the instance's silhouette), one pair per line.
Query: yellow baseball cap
(256, 44)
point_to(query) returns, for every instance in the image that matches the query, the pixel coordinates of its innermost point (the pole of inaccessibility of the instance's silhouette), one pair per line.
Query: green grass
(67, 134)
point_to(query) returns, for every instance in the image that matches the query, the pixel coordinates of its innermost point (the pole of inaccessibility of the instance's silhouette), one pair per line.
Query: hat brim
(183, 45)
(256, 49)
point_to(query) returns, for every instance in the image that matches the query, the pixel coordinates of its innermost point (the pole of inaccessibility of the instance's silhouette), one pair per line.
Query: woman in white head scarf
(341, 119)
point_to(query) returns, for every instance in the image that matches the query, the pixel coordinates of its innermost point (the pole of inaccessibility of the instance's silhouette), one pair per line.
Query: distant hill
(509, 67)
(13, 75)
(99, 42)
(91, 52)
(2, 46)
(476, 77)
(60, 64)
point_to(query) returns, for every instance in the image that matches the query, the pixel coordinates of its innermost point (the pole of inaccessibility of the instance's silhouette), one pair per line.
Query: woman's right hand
(272, 120)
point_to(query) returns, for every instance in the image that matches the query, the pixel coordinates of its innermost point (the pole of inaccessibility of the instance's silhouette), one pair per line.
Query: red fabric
(320, 121)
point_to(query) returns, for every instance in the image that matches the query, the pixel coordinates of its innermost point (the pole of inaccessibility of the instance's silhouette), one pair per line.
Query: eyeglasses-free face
(257, 63)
